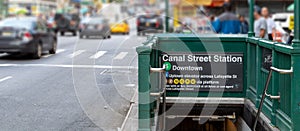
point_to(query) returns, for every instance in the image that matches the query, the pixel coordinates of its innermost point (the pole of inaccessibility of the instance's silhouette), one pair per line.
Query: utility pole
(167, 15)
(3, 8)
(251, 17)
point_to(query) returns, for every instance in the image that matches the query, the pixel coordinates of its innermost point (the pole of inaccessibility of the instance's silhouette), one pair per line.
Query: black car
(28, 35)
(67, 23)
(149, 23)
(95, 26)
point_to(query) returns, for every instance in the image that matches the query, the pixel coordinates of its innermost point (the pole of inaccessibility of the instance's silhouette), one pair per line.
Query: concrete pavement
(87, 85)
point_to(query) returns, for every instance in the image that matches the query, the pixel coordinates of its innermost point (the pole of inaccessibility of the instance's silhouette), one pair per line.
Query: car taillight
(82, 26)
(138, 23)
(72, 23)
(157, 24)
(99, 27)
(50, 25)
(27, 36)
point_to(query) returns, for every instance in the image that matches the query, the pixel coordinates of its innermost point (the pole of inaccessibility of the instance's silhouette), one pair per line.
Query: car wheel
(54, 47)
(38, 52)
(104, 37)
(74, 33)
(62, 33)
(109, 37)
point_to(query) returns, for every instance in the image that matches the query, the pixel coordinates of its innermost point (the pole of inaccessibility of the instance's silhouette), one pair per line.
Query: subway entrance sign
(203, 71)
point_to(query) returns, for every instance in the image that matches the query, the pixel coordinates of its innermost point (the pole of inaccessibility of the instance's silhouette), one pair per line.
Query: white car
(284, 20)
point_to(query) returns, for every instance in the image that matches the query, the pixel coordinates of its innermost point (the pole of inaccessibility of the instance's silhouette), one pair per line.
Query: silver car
(95, 26)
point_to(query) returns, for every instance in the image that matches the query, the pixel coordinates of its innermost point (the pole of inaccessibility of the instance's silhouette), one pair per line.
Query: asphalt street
(87, 85)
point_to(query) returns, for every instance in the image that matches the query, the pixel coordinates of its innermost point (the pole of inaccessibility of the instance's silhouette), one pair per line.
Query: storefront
(33, 7)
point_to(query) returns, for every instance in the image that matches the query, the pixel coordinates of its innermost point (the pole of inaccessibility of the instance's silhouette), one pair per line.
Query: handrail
(161, 70)
(262, 99)
(160, 93)
(272, 97)
(282, 71)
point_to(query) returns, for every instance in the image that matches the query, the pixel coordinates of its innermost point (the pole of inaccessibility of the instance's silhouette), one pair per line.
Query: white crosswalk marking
(76, 53)
(121, 55)
(57, 52)
(5, 78)
(98, 55)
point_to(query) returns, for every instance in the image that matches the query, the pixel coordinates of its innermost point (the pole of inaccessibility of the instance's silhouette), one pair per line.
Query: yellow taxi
(121, 27)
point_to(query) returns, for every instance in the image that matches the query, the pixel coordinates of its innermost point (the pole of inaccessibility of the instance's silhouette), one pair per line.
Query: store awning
(200, 2)
(212, 3)
(291, 7)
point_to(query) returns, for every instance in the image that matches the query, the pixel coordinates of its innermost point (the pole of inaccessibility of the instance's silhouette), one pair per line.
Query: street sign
(203, 72)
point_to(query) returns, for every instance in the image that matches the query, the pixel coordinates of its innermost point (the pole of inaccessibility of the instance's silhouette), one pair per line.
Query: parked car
(66, 23)
(149, 24)
(285, 20)
(28, 35)
(121, 27)
(95, 26)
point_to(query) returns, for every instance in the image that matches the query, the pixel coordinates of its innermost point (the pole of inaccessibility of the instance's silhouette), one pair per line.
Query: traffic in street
(39, 93)
(149, 65)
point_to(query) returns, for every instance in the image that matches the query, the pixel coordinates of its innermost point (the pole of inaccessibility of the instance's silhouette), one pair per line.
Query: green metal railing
(278, 111)
(284, 113)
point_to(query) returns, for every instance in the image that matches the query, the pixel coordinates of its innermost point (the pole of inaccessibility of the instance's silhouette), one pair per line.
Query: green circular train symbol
(167, 66)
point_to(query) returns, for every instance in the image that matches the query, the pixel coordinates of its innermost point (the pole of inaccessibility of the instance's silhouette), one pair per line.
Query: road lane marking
(130, 85)
(60, 51)
(101, 73)
(76, 53)
(5, 78)
(121, 55)
(69, 66)
(98, 55)
(57, 52)
(46, 56)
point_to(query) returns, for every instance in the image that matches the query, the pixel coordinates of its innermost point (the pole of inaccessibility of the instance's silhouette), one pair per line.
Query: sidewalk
(131, 121)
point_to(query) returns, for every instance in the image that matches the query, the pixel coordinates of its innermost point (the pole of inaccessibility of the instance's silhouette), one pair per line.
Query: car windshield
(152, 19)
(19, 23)
(280, 19)
(95, 21)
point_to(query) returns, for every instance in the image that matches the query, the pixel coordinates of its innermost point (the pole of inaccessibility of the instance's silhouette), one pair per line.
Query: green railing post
(259, 88)
(167, 15)
(295, 91)
(144, 88)
(295, 97)
(251, 18)
(296, 41)
(275, 87)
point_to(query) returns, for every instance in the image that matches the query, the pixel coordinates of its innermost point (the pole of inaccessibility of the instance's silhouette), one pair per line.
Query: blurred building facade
(34, 7)
(275, 6)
